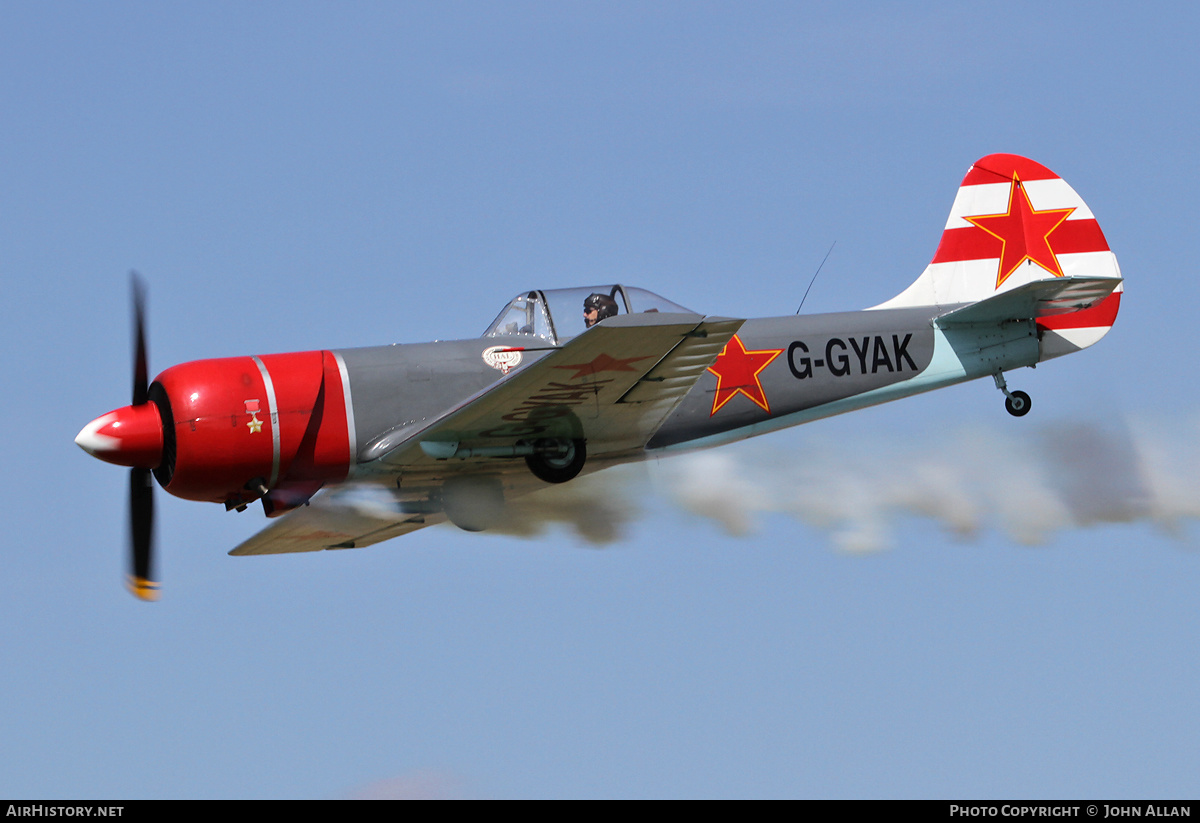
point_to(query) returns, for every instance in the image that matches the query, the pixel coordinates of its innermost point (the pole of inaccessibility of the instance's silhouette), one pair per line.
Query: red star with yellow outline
(602, 362)
(1023, 232)
(737, 373)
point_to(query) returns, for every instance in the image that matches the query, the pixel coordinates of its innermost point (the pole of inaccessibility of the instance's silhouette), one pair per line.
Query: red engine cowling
(236, 427)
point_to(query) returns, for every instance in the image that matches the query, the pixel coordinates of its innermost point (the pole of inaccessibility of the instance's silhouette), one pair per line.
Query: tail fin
(1015, 222)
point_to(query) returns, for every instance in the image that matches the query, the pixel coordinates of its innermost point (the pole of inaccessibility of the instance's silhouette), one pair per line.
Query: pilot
(597, 307)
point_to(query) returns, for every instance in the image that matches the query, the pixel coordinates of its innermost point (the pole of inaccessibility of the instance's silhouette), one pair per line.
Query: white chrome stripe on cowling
(273, 419)
(351, 435)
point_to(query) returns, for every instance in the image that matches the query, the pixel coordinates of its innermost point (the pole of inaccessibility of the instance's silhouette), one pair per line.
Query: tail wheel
(561, 465)
(1018, 404)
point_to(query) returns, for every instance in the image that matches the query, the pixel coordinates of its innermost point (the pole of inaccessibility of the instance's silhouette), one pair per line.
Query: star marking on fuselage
(255, 424)
(737, 372)
(1024, 233)
(602, 363)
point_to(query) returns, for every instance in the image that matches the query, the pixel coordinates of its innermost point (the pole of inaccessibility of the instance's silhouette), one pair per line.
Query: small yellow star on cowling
(255, 424)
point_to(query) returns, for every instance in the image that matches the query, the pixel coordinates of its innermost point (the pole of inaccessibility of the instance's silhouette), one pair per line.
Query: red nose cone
(131, 436)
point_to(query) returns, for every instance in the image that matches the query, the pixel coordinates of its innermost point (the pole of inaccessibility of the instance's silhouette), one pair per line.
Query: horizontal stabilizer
(1041, 298)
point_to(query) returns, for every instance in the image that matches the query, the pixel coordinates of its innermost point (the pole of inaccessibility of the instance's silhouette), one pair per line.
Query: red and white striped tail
(1015, 222)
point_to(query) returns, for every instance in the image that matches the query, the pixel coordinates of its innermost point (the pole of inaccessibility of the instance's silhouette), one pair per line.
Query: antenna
(814, 277)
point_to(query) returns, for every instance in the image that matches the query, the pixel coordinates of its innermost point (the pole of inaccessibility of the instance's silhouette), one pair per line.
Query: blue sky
(298, 176)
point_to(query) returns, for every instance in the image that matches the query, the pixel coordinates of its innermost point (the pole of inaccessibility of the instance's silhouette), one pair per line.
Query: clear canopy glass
(556, 315)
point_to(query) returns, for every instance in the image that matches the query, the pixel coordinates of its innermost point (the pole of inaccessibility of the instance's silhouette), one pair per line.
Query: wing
(614, 385)
(345, 518)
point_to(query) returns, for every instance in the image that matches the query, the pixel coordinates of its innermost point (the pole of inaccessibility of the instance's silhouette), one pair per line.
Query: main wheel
(1018, 404)
(561, 468)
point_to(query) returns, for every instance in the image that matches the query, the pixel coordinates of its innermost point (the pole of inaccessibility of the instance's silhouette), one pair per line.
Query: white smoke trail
(1027, 483)
(597, 508)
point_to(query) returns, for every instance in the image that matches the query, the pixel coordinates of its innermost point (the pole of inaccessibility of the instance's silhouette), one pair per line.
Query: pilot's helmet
(602, 304)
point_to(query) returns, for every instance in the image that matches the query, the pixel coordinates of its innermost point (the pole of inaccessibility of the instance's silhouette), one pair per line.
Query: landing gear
(557, 461)
(1017, 402)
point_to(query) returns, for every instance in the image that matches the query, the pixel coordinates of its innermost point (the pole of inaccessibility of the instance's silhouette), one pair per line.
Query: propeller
(141, 481)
